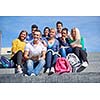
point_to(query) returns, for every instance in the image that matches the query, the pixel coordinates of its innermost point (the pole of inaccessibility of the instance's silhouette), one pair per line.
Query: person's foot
(26, 75)
(33, 74)
(80, 69)
(47, 70)
(19, 69)
(50, 73)
(85, 64)
(52, 69)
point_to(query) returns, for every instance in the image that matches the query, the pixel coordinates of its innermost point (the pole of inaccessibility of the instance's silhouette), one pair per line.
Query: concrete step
(94, 57)
(91, 74)
(7, 70)
(89, 77)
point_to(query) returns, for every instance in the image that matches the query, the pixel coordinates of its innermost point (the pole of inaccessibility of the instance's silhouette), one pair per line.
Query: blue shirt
(54, 46)
(29, 38)
(62, 43)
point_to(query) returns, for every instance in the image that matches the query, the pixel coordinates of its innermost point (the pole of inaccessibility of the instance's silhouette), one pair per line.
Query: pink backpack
(62, 65)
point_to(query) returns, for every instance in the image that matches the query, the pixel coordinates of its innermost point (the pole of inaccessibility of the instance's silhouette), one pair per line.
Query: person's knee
(19, 51)
(62, 52)
(76, 49)
(49, 53)
(69, 50)
(42, 61)
(29, 62)
(62, 49)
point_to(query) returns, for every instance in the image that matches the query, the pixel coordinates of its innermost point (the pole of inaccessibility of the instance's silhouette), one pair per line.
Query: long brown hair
(19, 37)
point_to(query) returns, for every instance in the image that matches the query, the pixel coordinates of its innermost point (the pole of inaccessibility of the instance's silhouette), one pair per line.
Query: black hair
(34, 26)
(39, 31)
(59, 22)
(46, 28)
(66, 29)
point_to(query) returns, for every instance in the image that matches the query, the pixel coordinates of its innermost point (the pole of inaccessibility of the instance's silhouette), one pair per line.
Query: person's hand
(64, 39)
(62, 46)
(35, 58)
(76, 45)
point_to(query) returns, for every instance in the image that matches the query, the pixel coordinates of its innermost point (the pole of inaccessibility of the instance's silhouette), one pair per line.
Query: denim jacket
(29, 38)
(61, 43)
(55, 46)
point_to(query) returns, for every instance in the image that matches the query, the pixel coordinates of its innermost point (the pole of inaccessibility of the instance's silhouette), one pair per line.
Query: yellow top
(17, 45)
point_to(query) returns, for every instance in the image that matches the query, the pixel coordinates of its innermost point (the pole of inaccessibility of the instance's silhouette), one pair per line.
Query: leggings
(81, 54)
(17, 58)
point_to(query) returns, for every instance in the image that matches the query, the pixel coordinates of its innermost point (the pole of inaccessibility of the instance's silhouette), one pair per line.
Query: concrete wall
(6, 50)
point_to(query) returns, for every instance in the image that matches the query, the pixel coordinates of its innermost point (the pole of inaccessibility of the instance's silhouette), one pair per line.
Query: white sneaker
(52, 69)
(85, 64)
(33, 74)
(19, 70)
(26, 75)
(48, 70)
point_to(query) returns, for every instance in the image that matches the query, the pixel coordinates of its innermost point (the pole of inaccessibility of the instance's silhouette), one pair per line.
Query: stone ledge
(91, 77)
(7, 70)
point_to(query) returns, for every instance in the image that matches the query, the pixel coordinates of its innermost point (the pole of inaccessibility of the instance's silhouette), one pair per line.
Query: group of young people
(37, 51)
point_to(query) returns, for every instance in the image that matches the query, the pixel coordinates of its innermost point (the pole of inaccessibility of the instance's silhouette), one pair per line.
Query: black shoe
(45, 70)
(50, 73)
(80, 69)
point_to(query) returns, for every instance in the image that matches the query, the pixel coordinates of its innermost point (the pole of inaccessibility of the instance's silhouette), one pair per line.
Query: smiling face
(64, 33)
(52, 33)
(59, 28)
(36, 35)
(23, 35)
(46, 32)
(33, 30)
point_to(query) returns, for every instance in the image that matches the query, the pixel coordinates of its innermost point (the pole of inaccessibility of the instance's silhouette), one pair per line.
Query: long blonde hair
(78, 37)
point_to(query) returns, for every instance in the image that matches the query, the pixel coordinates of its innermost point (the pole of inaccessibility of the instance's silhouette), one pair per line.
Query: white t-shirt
(58, 35)
(35, 50)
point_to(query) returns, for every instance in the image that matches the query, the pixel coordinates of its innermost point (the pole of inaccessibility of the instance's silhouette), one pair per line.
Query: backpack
(6, 63)
(73, 60)
(62, 65)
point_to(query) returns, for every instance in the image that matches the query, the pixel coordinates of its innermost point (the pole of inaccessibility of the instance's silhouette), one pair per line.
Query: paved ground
(91, 74)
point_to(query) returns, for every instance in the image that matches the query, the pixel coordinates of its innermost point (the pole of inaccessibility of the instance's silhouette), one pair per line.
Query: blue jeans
(34, 67)
(50, 59)
(64, 51)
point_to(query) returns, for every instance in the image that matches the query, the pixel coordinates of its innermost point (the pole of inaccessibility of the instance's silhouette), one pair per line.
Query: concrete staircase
(91, 74)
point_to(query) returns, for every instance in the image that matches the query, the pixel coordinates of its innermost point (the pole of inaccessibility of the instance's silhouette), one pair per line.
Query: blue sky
(89, 26)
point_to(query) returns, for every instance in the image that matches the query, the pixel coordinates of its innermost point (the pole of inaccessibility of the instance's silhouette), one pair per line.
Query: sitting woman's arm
(14, 47)
(76, 43)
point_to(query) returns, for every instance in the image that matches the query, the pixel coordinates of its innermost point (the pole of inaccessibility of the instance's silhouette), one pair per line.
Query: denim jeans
(34, 67)
(64, 51)
(50, 59)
